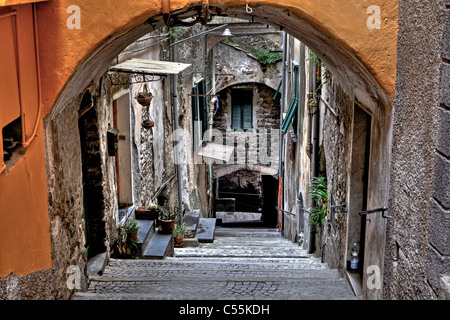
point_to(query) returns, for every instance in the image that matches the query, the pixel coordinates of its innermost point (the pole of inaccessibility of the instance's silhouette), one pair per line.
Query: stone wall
(65, 188)
(251, 147)
(337, 151)
(337, 143)
(417, 244)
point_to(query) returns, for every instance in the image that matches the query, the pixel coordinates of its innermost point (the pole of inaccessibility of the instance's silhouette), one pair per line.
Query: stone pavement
(241, 264)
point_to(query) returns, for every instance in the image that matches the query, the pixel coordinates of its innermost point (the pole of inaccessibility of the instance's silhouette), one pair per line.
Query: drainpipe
(280, 161)
(315, 142)
(175, 113)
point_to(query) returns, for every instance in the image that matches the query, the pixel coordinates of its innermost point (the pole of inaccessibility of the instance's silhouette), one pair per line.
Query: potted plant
(150, 212)
(131, 229)
(178, 235)
(167, 217)
(166, 220)
(126, 245)
(147, 124)
(144, 98)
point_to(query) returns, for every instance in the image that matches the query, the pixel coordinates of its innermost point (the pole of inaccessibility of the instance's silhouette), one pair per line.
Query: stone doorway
(93, 199)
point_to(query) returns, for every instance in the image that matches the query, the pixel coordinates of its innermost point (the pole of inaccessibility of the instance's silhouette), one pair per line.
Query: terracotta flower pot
(144, 100)
(178, 241)
(133, 236)
(166, 226)
(147, 124)
(146, 214)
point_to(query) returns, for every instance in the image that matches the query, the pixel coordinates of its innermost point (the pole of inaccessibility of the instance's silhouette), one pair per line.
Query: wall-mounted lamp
(227, 33)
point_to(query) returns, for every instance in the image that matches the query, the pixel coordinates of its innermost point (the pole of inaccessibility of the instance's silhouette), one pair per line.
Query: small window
(199, 112)
(12, 142)
(242, 109)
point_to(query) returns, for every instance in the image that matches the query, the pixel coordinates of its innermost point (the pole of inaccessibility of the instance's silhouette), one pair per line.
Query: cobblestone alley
(241, 264)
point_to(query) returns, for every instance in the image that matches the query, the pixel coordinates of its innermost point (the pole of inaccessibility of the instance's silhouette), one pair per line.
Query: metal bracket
(382, 210)
(122, 78)
(305, 210)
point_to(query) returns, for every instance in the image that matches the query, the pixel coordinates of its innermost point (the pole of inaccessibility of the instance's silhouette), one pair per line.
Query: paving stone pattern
(241, 264)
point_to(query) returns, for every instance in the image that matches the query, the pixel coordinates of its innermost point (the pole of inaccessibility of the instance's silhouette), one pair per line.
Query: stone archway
(366, 67)
(338, 32)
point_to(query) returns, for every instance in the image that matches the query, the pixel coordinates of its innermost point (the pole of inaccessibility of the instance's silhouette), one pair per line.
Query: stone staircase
(240, 264)
(155, 245)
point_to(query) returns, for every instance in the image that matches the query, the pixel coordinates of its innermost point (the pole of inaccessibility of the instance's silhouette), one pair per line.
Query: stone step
(245, 264)
(247, 233)
(237, 252)
(159, 247)
(143, 275)
(145, 232)
(237, 217)
(208, 264)
(190, 220)
(206, 230)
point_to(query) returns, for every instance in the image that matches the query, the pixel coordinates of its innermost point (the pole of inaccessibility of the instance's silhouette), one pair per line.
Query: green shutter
(195, 103)
(242, 110)
(291, 112)
(236, 117)
(294, 104)
(204, 105)
(247, 119)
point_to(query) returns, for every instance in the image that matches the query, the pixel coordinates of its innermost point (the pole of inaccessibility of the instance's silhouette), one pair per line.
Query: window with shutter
(242, 109)
(199, 112)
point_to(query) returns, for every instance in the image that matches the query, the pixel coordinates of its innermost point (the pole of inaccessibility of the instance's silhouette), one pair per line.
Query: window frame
(242, 108)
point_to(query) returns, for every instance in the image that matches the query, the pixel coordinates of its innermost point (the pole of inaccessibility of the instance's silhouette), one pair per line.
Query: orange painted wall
(24, 225)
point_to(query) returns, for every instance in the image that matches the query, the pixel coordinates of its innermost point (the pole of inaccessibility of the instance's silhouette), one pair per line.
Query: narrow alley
(225, 150)
(241, 264)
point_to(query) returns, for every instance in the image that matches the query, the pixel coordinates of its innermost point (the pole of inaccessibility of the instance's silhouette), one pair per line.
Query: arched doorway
(93, 204)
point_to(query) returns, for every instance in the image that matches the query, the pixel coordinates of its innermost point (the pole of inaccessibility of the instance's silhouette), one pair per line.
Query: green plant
(231, 40)
(174, 32)
(144, 94)
(171, 213)
(319, 194)
(180, 89)
(126, 246)
(267, 57)
(179, 230)
(131, 226)
(153, 206)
